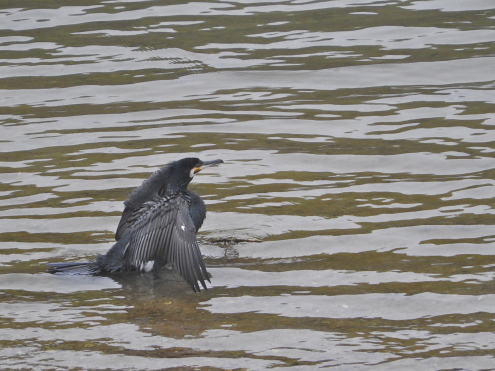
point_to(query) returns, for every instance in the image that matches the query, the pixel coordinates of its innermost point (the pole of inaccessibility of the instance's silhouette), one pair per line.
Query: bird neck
(160, 183)
(173, 188)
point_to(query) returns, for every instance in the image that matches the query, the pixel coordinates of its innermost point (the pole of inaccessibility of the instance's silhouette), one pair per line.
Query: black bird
(158, 227)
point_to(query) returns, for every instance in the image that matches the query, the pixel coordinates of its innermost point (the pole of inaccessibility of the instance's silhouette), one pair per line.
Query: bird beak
(206, 164)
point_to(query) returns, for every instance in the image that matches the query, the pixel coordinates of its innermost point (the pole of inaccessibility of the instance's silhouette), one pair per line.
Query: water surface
(350, 226)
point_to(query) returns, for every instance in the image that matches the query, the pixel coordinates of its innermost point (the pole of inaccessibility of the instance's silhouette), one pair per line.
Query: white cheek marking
(191, 173)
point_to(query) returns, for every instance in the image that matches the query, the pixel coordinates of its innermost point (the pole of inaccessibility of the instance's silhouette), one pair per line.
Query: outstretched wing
(126, 221)
(163, 232)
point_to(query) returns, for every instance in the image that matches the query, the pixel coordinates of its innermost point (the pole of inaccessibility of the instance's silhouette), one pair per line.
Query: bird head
(182, 172)
(199, 165)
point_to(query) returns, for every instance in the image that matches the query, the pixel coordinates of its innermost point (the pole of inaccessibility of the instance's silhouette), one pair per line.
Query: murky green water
(350, 228)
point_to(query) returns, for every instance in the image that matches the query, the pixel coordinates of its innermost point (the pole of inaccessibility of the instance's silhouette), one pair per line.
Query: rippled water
(349, 228)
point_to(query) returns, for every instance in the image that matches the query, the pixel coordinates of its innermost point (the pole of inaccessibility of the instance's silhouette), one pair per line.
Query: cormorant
(158, 226)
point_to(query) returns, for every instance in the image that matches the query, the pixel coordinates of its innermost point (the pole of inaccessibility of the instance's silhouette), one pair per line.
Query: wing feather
(163, 231)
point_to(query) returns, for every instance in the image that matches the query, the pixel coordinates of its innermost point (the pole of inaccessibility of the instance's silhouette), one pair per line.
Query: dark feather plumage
(158, 226)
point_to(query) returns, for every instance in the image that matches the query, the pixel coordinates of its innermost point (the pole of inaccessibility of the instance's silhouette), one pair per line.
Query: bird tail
(74, 268)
